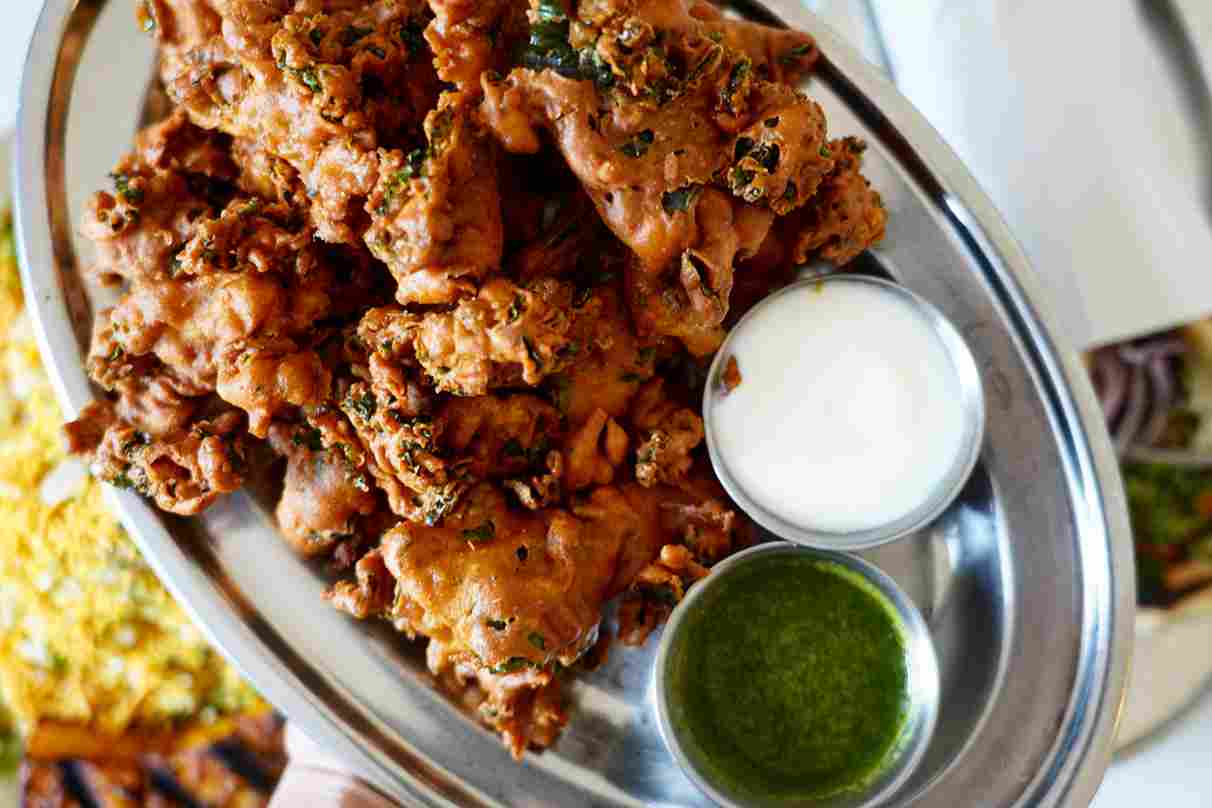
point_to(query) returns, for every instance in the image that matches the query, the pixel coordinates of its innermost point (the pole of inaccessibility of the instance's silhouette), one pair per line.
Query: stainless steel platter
(1026, 581)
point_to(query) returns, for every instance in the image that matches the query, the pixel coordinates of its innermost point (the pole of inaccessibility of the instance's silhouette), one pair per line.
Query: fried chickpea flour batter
(461, 265)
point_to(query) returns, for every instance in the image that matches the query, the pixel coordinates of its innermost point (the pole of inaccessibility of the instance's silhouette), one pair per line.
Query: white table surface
(1084, 124)
(1170, 770)
(16, 23)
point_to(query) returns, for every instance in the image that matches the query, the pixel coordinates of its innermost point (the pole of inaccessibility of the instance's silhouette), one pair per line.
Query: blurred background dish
(1156, 393)
(107, 690)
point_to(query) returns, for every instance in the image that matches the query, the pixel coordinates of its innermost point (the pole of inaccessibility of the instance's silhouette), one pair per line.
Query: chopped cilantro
(412, 36)
(354, 33)
(414, 166)
(364, 405)
(310, 79)
(736, 80)
(680, 200)
(513, 665)
(516, 308)
(741, 177)
(440, 506)
(134, 442)
(132, 196)
(638, 145)
(484, 532)
(124, 482)
(548, 49)
(309, 438)
(795, 54)
(710, 61)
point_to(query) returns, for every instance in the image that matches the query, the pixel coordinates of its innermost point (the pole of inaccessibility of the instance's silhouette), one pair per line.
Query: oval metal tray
(1027, 581)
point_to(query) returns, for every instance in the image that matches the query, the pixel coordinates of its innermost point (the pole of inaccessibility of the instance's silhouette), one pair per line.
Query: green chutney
(789, 680)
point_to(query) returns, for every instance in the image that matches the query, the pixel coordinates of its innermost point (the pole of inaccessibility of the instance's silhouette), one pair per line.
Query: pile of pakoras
(462, 264)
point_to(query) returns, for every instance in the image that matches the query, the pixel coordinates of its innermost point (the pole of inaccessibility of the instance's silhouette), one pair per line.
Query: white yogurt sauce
(849, 414)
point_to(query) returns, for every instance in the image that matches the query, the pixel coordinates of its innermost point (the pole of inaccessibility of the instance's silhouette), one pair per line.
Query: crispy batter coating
(504, 336)
(437, 211)
(176, 174)
(321, 85)
(427, 455)
(323, 495)
(469, 37)
(510, 589)
(845, 218)
(463, 265)
(669, 434)
(526, 706)
(225, 290)
(684, 143)
(183, 471)
(782, 55)
(528, 598)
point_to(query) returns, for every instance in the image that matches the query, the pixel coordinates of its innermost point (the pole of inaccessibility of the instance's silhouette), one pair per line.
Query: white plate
(1171, 667)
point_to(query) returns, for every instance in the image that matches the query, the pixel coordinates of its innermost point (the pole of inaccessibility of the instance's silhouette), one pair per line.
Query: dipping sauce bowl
(793, 676)
(843, 412)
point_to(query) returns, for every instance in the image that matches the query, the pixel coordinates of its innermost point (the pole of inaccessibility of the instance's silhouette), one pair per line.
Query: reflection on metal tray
(1026, 581)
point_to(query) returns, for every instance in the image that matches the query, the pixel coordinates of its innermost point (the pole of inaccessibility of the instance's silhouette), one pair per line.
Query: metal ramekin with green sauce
(797, 677)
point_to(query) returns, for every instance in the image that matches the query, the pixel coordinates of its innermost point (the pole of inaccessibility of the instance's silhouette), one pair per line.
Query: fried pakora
(462, 265)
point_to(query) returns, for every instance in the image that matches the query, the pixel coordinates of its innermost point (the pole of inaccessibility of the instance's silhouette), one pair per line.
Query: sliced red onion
(1137, 385)
(1135, 411)
(1140, 353)
(1111, 382)
(1163, 397)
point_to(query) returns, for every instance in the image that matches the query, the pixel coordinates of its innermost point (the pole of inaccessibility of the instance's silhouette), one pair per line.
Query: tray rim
(1077, 761)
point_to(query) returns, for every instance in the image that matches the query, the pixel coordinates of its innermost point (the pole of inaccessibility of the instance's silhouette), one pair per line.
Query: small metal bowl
(974, 429)
(923, 686)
